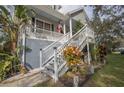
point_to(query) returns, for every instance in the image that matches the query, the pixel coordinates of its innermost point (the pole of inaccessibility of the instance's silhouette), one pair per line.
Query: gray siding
(33, 56)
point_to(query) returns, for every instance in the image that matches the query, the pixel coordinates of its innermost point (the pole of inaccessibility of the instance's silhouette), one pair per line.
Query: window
(47, 26)
(44, 25)
(39, 24)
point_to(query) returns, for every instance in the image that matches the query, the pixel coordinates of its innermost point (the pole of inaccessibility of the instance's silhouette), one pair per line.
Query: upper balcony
(42, 34)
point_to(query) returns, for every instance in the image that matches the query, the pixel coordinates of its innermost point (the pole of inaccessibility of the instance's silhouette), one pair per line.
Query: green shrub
(7, 64)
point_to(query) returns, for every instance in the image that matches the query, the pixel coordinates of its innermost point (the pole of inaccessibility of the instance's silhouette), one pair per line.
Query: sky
(67, 8)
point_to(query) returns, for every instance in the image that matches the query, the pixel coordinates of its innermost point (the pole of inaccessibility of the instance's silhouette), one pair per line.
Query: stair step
(49, 68)
(49, 73)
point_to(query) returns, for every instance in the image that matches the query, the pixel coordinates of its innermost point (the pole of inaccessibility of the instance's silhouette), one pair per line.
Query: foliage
(73, 57)
(78, 26)
(6, 64)
(93, 51)
(12, 22)
(4, 67)
(107, 22)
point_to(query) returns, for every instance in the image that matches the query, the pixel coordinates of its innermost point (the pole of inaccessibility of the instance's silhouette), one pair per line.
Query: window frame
(44, 21)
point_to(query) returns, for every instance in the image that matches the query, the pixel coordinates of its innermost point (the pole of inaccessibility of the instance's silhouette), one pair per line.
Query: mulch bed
(68, 81)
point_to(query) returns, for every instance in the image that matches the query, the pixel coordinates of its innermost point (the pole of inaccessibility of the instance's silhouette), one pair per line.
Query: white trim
(76, 10)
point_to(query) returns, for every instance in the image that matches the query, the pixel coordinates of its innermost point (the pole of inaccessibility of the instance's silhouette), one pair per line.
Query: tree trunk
(13, 47)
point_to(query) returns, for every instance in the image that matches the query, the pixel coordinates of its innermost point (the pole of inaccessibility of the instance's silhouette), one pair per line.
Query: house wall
(33, 56)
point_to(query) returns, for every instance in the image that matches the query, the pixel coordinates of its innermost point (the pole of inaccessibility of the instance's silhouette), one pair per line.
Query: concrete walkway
(28, 80)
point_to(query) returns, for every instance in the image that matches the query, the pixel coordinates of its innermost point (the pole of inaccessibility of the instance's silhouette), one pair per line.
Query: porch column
(23, 44)
(64, 28)
(70, 22)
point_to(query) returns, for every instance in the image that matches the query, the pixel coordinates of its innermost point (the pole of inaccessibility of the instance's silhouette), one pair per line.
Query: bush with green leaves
(7, 65)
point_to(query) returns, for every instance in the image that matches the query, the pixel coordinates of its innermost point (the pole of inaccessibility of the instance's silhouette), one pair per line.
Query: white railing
(54, 52)
(90, 33)
(79, 40)
(75, 40)
(47, 53)
(38, 33)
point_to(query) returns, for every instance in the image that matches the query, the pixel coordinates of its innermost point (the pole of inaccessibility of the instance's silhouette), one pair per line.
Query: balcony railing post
(55, 65)
(41, 58)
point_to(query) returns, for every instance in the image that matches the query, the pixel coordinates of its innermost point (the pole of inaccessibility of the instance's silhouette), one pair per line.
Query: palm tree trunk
(13, 47)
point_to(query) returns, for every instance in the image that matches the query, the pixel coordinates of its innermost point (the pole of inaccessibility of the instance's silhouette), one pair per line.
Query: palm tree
(11, 23)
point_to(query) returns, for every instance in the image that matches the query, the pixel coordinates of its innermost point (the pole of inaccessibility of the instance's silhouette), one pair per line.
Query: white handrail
(79, 39)
(66, 43)
(47, 30)
(59, 53)
(38, 33)
(56, 41)
(47, 52)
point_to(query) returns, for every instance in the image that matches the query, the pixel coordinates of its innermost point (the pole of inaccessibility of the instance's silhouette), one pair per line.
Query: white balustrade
(80, 39)
(38, 33)
(48, 51)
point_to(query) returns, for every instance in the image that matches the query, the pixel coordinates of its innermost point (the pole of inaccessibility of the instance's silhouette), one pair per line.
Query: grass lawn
(112, 74)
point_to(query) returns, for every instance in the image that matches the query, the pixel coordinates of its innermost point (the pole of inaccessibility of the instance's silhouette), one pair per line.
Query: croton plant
(73, 55)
